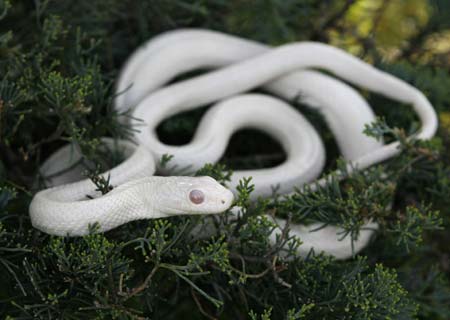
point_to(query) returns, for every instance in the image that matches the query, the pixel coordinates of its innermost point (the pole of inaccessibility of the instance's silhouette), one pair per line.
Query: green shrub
(59, 61)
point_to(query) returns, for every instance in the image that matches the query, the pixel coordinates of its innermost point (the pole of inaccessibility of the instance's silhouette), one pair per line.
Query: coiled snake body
(242, 65)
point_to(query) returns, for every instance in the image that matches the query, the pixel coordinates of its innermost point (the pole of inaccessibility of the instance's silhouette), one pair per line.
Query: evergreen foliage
(58, 63)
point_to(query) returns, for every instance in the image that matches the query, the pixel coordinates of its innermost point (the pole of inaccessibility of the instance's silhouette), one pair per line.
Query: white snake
(242, 65)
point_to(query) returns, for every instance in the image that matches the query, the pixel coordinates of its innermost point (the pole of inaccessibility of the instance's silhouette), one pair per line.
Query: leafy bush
(58, 62)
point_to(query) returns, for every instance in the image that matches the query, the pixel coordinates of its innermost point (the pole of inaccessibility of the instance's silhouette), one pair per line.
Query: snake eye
(196, 196)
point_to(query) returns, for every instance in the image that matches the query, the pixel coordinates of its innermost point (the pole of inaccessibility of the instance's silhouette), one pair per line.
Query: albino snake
(242, 65)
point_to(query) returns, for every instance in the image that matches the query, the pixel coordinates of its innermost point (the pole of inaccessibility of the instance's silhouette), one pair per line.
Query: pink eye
(196, 196)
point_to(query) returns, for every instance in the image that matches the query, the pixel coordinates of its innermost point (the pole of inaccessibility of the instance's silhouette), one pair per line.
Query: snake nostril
(223, 201)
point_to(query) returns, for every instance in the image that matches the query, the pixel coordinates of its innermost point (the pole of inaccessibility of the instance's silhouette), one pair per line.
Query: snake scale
(235, 67)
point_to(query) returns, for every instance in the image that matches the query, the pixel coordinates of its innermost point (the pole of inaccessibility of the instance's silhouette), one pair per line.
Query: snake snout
(227, 199)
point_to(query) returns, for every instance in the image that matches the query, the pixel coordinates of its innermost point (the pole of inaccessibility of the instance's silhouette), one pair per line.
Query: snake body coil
(242, 65)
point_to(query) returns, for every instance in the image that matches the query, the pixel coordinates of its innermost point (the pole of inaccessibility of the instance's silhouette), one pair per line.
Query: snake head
(193, 195)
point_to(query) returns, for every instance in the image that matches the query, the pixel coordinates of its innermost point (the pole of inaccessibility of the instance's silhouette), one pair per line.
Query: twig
(143, 285)
(200, 307)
